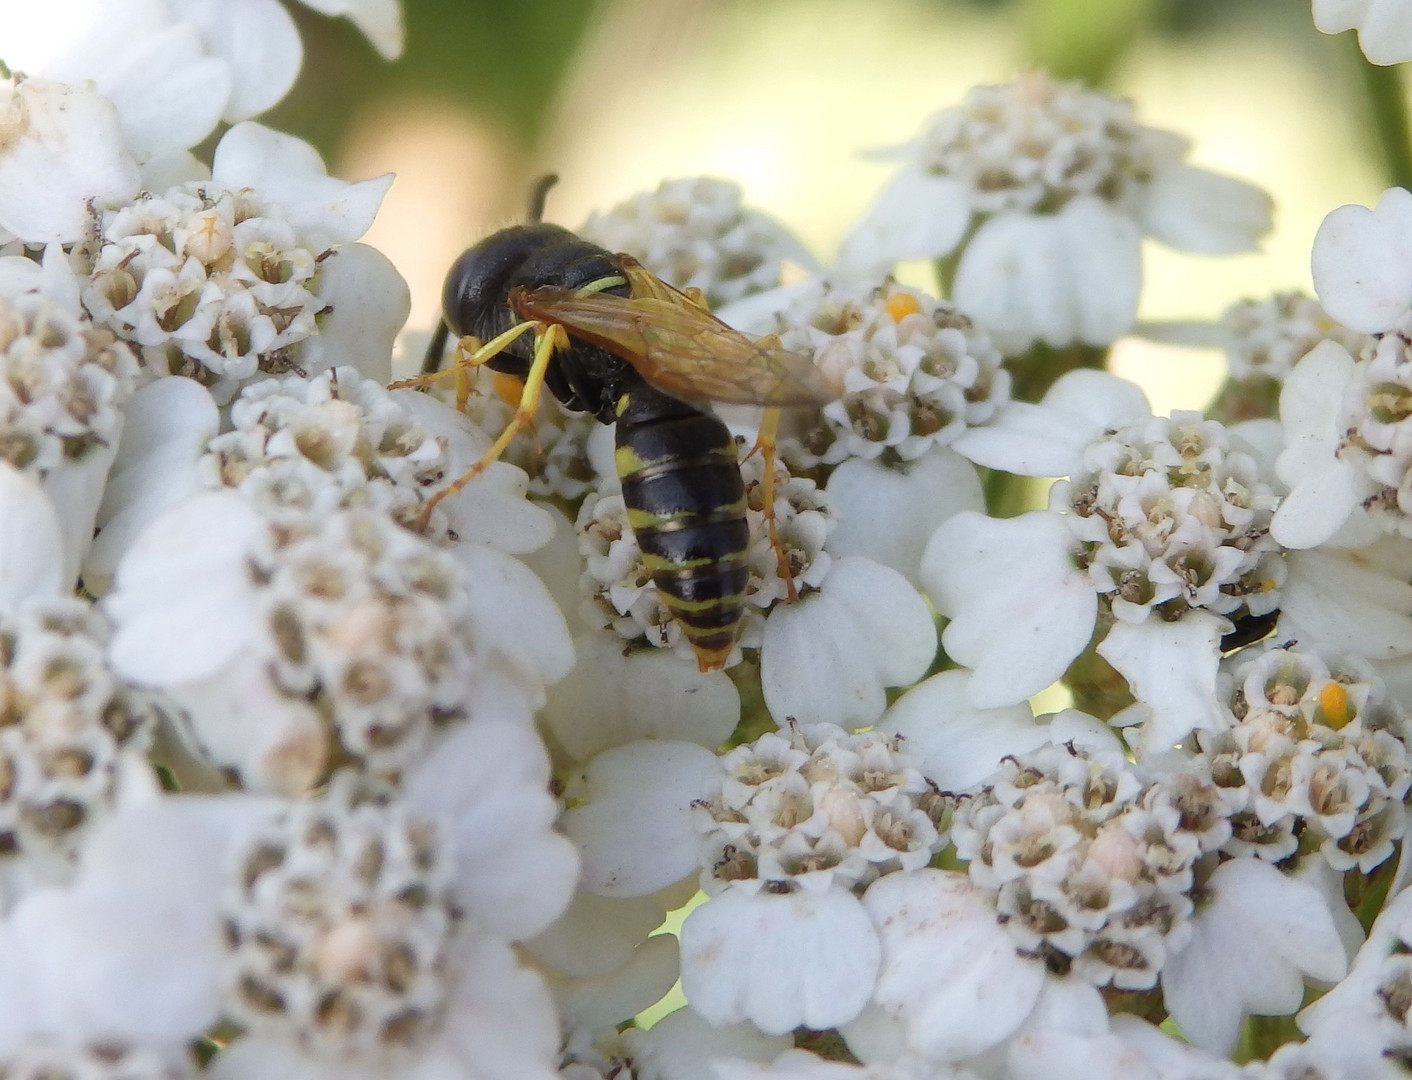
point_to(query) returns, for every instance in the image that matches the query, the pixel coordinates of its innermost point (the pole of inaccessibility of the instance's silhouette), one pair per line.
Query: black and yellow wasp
(611, 339)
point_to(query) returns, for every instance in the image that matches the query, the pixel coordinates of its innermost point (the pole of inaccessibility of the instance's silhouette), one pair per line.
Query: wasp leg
(765, 443)
(470, 352)
(550, 338)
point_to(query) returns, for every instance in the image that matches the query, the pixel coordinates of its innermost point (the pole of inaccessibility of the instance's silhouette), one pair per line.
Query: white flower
(915, 372)
(1257, 937)
(63, 386)
(695, 234)
(1266, 338)
(1044, 175)
(233, 277)
(792, 828)
(174, 69)
(1384, 26)
(45, 191)
(260, 627)
(327, 928)
(74, 745)
(1162, 524)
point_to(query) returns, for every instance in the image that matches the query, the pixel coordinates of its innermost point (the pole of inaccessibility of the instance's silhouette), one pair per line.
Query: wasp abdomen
(686, 504)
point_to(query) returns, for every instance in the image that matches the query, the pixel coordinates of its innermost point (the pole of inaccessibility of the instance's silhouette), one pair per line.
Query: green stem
(1387, 109)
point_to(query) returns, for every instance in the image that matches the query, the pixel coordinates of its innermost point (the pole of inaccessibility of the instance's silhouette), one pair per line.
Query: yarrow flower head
(1162, 530)
(915, 373)
(695, 234)
(64, 383)
(1049, 174)
(814, 800)
(1091, 865)
(338, 927)
(73, 740)
(1266, 338)
(1316, 760)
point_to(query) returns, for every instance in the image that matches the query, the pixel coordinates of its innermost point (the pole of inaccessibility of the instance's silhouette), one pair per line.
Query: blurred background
(781, 95)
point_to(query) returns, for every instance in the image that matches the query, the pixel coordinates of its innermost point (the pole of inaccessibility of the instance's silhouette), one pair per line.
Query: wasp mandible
(611, 339)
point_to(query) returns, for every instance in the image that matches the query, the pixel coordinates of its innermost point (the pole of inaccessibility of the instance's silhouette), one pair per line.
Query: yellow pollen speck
(901, 304)
(1333, 703)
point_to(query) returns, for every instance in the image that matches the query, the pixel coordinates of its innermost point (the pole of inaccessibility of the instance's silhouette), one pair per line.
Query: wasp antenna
(538, 196)
(436, 348)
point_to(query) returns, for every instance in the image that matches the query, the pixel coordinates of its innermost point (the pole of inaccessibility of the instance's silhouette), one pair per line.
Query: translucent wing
(677, 345)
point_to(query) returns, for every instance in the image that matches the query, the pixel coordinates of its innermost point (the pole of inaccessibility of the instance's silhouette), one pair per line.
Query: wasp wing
(678, 346)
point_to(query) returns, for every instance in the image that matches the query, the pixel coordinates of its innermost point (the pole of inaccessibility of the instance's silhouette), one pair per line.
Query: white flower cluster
(337, 927)
(1039, 193)
(63, 380)
(815, 802)
(1266, 338)
(695, 234)
(1317, 761)
(915, 373)
(207, 282)
(74, 740)
(1092, 868)
(1170, 515)
(316, 445)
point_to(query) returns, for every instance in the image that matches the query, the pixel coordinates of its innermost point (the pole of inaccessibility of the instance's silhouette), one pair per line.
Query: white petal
(949, 969)
(779, 961)
(1259, 933)
(380, 21)
(1384, 26)
(828, 657)
(168, 423)
(1020, 611)
(1362, 262)
(918, 215)
(45, 186)
(606, 1000)
(1028, 440)
(633, 822)
(182, 605)
(31, 543)
(323, 210)
(1059, 278)
(611, 698)
(1171, 669)
(888, 514)
(369, 301)
(1323, 489)
(1102, 398)
(596, 935)
(489, 782)
(956, 744)
(168, 94)
(505, 594)
(259, 42)
(1345, 599)
(683, 1046)
(1191, 209)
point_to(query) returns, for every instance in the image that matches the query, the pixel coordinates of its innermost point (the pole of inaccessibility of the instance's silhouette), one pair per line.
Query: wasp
(611, 339)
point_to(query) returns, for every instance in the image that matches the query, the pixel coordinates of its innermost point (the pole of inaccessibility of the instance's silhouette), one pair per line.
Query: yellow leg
(550, 338)
(765, 443)
(470, 353)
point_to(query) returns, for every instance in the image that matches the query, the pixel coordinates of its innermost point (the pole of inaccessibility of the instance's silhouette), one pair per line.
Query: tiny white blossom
(695, 234)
